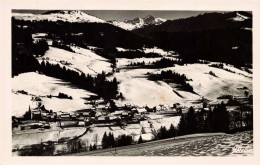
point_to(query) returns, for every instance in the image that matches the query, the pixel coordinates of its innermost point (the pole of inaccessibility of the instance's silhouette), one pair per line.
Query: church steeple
(30, 112)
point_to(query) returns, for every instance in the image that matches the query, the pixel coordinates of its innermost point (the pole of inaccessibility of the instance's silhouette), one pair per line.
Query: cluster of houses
(98, 113)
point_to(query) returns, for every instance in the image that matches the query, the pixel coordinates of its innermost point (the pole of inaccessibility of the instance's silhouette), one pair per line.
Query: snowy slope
(138, 90)
(83, 60)
(212, 87)
(128, 26)
(66, 16)
(40, 85)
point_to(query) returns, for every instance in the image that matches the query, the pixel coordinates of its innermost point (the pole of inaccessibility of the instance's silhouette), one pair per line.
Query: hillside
(82, 60)
(38, 85)
(135, 84)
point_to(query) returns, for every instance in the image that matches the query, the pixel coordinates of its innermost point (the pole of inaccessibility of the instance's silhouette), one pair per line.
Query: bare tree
(95, 138)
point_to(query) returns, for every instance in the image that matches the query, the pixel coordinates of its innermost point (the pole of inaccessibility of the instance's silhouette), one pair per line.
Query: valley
(94, 77)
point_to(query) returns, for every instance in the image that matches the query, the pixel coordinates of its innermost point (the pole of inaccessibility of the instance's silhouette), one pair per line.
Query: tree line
(24, 49)
(109, 141)
(172, 77)
(99, 84)
(216, 120)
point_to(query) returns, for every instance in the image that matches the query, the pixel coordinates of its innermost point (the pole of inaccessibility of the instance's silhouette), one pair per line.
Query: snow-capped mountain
(53, 16)
(138, 22)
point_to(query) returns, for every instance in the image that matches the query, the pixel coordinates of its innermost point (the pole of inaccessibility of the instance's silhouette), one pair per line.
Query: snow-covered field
(83, 60)
(211, 87)
(36, 137)
(135, 130)
(41, 85)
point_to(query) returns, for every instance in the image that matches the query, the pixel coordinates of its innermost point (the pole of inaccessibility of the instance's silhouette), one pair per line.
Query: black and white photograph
(132, 83)
(113, 83)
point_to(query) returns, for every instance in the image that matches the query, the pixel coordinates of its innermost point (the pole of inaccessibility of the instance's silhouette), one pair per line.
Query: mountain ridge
(132, 24)
(59, 15)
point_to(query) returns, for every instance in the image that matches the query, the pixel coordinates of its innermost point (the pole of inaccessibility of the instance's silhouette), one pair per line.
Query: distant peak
(149, 16)
(63, 12)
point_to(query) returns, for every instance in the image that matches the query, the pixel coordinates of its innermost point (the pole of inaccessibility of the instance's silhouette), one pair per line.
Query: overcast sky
(121, 15)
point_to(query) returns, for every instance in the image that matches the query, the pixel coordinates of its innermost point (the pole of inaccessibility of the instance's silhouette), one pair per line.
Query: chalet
(141, 111)
(81, 118)
(176, 105)
(81, 123)
(88, 114)
(161, 108)
(73, 116)
(68, 123)
(36, 115)
(65, 117)
(137, 116)
(101, 113)
(113, 118)
(101, 107)
(51, 117)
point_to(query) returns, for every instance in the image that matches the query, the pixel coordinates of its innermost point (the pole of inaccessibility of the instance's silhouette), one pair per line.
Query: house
(81, 123)
(88, 114)
(65, 117)
(36, 115)
(137, 116)
(176, 105)
(69, 123)
(73, 116)
(81, 118)
(141, 111)
(161, 108)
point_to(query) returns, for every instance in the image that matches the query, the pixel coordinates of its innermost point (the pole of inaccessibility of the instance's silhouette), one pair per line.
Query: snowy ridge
(66, 16)
(239, 17)
(138, 22)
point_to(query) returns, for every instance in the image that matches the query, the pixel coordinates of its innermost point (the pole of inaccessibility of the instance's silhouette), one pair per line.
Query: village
(100, 113)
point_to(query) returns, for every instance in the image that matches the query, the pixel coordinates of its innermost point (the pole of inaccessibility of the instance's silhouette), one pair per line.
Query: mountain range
(82, 17)
(211, 36)
(59, 15)
(138, 22)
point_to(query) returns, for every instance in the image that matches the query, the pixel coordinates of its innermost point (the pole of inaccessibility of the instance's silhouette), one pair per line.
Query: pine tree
(208, 126)
(191, 121)
(182, 126)
(111, 140)
(220, 118)
(104, 141)
(94, 147)
(172, 131)
(90, 147)
(140, 140)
